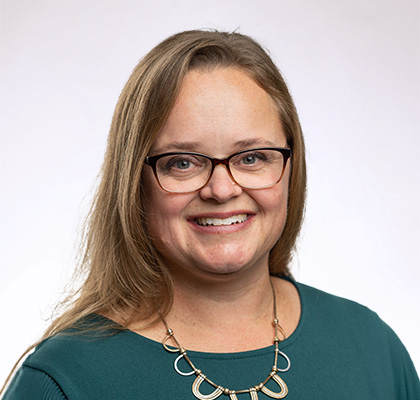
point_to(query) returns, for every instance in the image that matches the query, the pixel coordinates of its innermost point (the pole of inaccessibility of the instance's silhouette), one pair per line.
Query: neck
(239, 311)
(226, 315)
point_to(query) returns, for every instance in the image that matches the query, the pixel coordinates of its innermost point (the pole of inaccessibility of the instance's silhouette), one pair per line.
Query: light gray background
(353, 69)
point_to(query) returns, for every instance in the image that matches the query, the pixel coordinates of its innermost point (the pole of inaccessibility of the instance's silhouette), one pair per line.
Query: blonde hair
(122, 269)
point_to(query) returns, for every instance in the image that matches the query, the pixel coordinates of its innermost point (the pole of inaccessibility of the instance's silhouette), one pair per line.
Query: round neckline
(241, 354)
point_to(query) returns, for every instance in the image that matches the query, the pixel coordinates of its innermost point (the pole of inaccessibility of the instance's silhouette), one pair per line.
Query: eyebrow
(195, 146)
(184, 146)
(243, 144)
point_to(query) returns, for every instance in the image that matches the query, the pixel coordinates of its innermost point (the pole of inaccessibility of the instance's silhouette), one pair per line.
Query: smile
(235, 219)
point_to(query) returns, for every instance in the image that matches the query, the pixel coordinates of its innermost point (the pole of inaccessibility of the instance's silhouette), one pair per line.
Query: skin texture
(220, 273)
(218, 113)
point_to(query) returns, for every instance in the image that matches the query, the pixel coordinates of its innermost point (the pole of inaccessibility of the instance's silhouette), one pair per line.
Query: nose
(220, 187)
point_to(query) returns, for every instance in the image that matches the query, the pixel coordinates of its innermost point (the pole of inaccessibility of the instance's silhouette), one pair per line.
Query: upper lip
(220, 215)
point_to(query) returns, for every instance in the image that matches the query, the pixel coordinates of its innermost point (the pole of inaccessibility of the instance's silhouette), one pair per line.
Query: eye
(181, 164)
(253, 161)
(250, 159)
(253, 158)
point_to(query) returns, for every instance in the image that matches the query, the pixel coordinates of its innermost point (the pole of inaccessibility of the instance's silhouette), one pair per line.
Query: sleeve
(30, 383)
(407, 382)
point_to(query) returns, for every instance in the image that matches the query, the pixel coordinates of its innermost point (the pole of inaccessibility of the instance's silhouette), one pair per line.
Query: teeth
(235, 219)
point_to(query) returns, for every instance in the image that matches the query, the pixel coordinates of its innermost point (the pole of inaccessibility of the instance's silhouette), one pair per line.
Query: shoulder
(95, 364)
(78, 349)
(70, 358)
(346, 323)
(328, 312)
(356, 337)
(30, 383)
(341, 319)
(322, 304)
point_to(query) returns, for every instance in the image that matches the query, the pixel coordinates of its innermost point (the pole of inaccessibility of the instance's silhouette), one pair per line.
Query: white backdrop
(353, 69)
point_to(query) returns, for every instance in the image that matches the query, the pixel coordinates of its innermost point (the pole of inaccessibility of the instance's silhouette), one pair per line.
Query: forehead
(220, 108)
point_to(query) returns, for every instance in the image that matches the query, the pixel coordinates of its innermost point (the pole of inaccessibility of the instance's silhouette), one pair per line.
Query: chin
(224, 268)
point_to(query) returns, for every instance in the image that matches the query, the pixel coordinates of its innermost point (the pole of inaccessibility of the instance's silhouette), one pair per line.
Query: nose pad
(227, 173)
(221, 185)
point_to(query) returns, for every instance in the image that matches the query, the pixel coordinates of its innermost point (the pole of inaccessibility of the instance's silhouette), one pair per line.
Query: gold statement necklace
(219, 390)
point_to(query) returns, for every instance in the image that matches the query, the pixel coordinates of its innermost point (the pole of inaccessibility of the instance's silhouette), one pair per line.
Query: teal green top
(340, 350)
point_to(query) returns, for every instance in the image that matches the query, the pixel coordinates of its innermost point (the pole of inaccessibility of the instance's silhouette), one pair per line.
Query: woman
(188, 293)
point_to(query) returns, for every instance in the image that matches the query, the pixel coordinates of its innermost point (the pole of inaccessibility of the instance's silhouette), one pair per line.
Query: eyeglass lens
(254, 169)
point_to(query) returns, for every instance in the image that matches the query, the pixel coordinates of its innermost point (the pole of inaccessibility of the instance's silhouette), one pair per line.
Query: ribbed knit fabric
(32, 384)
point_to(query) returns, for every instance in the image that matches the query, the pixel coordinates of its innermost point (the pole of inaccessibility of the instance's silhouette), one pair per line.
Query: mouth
(233, 220)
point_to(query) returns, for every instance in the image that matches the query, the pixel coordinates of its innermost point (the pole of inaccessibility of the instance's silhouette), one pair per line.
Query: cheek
(273, 205)
(282, 200)
(156, 204)
(164, 212)
(154, 208)
(160, 216)
(283, 191)
(275, 198)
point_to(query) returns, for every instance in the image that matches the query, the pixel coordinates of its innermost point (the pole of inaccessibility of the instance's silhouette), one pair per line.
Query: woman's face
(218, 113)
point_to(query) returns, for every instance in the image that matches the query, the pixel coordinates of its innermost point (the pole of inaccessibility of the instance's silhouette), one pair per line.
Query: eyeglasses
(189, 172)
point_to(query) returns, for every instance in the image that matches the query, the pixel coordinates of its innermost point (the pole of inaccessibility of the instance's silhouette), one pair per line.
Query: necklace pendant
(196, 389)
(253, 394)
(283, 392)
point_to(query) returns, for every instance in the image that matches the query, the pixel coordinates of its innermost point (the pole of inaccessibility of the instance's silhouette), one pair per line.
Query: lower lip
(221, 228)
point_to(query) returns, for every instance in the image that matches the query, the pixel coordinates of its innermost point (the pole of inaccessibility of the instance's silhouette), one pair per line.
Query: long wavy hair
(123, 273)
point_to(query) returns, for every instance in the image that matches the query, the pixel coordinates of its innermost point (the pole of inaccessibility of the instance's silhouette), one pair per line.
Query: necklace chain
(219, 390)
